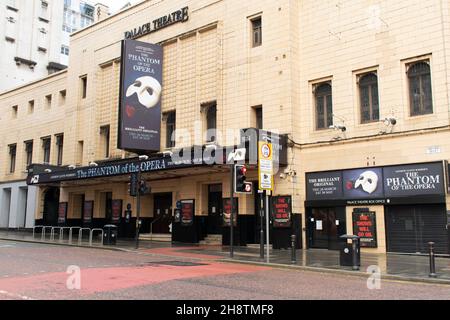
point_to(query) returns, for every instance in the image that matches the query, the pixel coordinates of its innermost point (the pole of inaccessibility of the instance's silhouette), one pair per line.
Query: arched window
(324, 106)
(420, 95)
(368, 97)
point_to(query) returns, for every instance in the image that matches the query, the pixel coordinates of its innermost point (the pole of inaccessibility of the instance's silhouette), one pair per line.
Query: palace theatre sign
(178, 16)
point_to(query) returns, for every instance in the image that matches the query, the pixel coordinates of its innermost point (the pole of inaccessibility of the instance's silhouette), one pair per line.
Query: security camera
(390, 121)
(338, 127)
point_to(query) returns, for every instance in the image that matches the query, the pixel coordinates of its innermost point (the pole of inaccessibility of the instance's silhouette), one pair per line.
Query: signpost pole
(232, 211)
(267, 227)
(261, 214)
(138, 209)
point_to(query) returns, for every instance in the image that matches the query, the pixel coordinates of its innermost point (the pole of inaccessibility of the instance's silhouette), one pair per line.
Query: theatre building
(357, 111)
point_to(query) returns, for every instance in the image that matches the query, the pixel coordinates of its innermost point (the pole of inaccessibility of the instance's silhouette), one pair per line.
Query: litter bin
(350, 254)
(110, 235)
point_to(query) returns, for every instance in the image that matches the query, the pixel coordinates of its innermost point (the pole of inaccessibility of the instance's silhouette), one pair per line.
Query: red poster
(88, 211)
(282, 211)
(187, 212)
(365, 227)
(116, 210)
(62, 212)
(227, 212)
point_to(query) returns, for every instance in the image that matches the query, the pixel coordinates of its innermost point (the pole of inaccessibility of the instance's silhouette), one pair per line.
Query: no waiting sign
(265, 166)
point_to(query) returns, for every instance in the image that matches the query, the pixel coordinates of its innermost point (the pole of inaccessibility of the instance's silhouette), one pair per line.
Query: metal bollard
(355, 254)
(432, 261)
(293, 249)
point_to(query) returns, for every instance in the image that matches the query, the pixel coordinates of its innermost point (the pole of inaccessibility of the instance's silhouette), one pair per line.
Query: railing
(151, 227)
(61, 231)
(92, 233)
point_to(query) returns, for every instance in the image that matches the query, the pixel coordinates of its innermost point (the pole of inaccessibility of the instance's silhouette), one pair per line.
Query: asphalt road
(40, 272)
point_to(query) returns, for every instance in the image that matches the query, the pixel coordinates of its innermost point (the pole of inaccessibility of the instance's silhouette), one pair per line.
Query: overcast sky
(115, 5)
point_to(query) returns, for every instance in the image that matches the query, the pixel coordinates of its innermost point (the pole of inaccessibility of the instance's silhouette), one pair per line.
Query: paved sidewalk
(407, 267)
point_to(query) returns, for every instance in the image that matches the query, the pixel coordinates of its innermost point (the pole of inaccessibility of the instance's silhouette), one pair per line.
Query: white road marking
(14, 295)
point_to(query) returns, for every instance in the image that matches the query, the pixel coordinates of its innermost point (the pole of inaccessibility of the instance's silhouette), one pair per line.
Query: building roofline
(33, 82)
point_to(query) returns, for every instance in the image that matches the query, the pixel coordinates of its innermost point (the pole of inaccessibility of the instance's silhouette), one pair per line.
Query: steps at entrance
(212, 240)
(156, 237)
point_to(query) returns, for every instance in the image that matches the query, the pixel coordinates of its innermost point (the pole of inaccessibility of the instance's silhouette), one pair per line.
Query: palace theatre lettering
(178, 16)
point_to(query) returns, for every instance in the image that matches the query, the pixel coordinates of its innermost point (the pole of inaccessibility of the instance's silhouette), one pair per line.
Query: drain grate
(177, 263)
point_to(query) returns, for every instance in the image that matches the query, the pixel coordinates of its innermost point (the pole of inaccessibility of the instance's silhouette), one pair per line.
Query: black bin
(110, 235)
(348, 251)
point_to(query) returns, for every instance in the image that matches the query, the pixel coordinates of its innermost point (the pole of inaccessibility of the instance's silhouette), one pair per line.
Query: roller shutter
(410, 228)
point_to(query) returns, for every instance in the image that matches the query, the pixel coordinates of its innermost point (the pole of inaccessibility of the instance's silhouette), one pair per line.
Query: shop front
(397, 209)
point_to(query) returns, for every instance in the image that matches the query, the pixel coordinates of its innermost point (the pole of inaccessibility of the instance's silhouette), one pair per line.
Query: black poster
(411, 180)
(282, 211)
(187, 212)
(116, 210)
(365, 227)
(88, 211)
(227, 212)
(140, 96)
(62, 212)
(324, 185)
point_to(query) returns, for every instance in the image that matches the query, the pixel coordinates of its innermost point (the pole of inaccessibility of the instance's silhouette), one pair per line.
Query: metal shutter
(410, 228)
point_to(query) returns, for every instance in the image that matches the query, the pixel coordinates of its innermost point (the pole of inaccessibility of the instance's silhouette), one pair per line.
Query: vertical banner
(140, 96)
(227, 212)
(282, 211)
(187, 213)
(88, 211)
(62, 212)
(116, 211)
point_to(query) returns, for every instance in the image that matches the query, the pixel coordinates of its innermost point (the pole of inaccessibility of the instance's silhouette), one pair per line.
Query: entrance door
(51, 204)
(410, 228)
(325, 226)
(162, 213)
(214, 209)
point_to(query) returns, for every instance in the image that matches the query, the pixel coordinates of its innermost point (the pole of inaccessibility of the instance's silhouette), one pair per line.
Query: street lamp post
(138, 200)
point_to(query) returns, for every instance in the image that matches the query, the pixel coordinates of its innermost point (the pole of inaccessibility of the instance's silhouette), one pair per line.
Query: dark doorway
(51, 204)
(410, 228)
(108, 207)
(162, 213)
(325, 226)
(215, 209)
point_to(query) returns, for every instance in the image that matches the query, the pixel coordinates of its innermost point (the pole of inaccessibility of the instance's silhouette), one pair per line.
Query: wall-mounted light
(93, 164)
(48, 170)
(143, 158)
(72, 167)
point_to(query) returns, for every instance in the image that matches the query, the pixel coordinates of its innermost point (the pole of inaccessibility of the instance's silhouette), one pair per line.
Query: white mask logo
(148, 91)
(368, 181)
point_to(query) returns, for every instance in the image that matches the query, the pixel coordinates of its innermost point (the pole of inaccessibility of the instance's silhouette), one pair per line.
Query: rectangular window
(105, 135)
(59, 148)
(171, 119)
(46, 149)
(31, 106)
(80, 150)
(258, 115)
(29, 152)
(83, 87)
(14, 110)
(48, 101)
(62, 97)
(256, 32)
(211, 122)
(12, 157)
